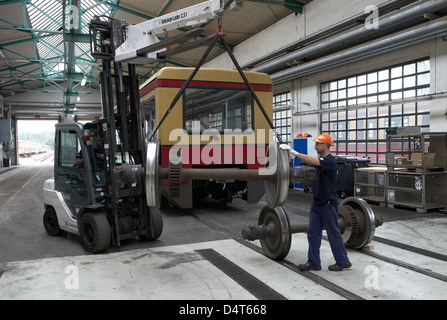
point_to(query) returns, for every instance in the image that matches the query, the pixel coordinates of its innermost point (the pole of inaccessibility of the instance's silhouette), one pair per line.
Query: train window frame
(219, 125)
(149, 109)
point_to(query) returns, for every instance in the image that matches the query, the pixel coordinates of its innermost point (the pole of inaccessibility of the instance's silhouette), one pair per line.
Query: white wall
(321, 14)
(277, 36)
(317, 15)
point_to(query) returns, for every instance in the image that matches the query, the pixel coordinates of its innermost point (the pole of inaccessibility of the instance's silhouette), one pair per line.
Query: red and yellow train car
(216, 123)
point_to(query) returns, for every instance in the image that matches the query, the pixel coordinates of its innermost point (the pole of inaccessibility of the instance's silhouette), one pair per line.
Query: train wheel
(276, 244)
(277, 187)
(157, 221)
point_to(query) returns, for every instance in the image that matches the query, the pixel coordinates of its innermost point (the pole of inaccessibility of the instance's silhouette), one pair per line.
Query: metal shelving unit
(370, 184)
(417, 151)
(416, 175)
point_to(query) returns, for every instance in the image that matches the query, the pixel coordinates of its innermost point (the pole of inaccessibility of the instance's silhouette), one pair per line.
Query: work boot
(338, 267)
(307, 266)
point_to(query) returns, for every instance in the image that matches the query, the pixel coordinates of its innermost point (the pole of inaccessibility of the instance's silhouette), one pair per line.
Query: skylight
(46, 19)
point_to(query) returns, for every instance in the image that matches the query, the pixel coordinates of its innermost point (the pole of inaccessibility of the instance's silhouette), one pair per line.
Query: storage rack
(417, 151)
(420, 190)
(416, 176)
(370, 184)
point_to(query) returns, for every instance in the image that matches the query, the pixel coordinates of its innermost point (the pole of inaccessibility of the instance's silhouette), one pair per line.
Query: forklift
(106, 184)
(106, 178)
(98, 188)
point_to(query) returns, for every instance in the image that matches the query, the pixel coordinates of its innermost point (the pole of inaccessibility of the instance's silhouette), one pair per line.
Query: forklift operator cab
(79, 165)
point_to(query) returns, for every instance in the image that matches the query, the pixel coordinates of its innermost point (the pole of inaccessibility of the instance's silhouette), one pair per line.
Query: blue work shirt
(325, 185)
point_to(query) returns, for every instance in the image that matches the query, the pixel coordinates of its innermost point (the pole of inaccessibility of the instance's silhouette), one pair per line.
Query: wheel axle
(356, 222)
(277, 175)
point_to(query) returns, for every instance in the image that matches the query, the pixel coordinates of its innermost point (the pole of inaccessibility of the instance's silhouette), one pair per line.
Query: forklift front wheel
(50, 222)
(94, 229)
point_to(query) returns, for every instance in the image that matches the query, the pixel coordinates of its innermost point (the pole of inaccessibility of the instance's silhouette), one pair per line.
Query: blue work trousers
(325, 216)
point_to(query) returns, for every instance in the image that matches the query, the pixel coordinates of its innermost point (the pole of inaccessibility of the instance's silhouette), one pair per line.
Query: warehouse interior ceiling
(39, 54)
(46, 69)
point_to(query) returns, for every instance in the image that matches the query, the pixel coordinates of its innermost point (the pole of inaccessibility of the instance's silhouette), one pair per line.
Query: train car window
(148, 107)
(217, 109)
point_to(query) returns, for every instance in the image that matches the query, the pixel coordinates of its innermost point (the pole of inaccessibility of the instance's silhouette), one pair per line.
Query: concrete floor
(34, 265)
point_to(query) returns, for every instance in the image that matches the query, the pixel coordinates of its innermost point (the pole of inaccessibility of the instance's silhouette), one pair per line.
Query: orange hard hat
(324, 138)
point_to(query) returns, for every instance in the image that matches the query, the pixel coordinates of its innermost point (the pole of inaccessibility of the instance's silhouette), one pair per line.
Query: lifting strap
(185, 85)
(218, 36)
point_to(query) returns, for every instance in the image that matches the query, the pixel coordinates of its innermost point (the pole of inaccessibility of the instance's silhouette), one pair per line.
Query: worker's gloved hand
(292, 153)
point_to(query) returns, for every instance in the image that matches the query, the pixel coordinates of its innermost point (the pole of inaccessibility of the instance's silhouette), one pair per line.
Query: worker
(323, 211)
(97, 152)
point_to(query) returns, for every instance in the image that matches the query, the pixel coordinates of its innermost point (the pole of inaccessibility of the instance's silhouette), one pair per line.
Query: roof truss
(60, 59)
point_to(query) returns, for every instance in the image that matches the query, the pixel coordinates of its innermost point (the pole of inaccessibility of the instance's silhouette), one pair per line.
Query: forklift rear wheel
(50, 222)
(95, 233)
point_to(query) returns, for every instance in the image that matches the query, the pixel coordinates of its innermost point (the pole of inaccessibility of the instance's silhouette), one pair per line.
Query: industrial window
(282, 116)
(357, 110)
(216, 120)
